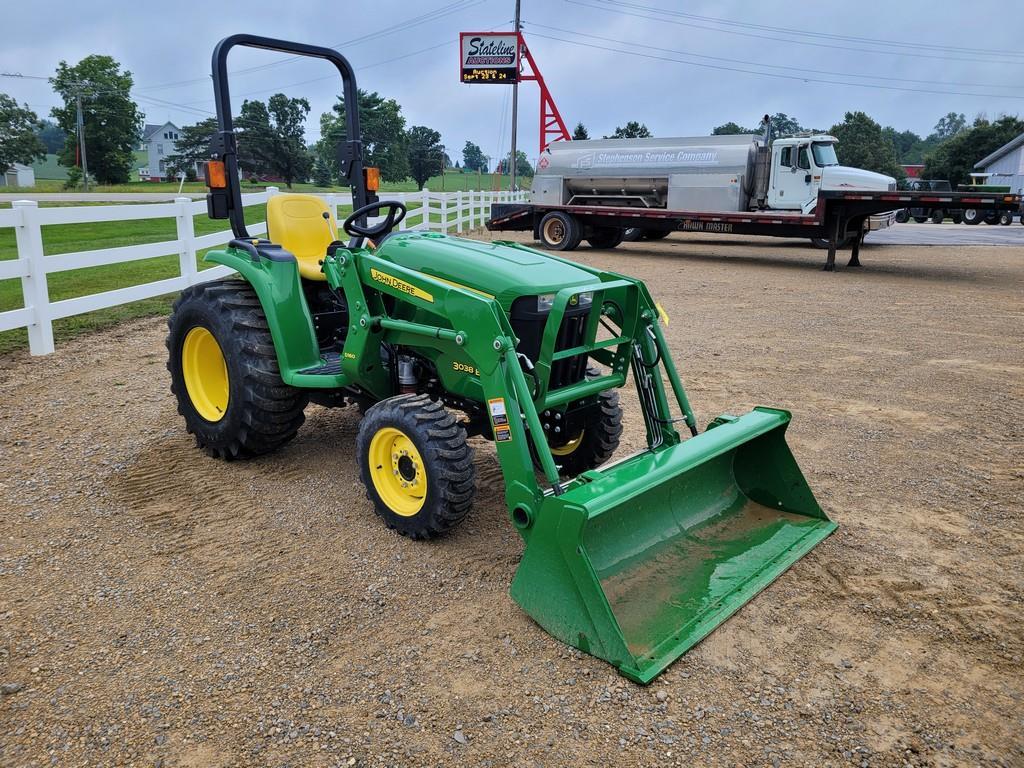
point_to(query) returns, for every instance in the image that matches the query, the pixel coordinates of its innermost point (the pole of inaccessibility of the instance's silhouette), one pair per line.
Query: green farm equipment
(439, 338)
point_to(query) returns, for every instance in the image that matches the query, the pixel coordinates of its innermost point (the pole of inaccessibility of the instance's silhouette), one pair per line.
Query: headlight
(586, 299)
(545, 301)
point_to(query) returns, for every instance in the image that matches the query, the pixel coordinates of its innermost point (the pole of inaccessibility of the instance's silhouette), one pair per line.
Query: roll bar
(227, 203)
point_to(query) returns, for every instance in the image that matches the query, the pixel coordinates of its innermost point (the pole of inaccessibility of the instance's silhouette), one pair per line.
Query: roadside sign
(489, 57)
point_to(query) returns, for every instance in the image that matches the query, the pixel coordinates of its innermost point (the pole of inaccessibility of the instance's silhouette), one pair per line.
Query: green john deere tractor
(437, 339)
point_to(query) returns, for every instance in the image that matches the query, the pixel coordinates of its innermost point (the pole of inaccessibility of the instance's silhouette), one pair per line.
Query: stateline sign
(489, 57)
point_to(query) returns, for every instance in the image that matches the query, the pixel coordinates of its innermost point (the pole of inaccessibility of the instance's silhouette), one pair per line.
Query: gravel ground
(158, 608)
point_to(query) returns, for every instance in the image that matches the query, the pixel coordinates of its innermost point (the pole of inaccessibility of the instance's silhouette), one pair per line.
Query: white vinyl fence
(443, 212)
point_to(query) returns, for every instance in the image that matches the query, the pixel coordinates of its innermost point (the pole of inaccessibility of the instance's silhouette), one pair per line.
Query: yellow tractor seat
(297, 224)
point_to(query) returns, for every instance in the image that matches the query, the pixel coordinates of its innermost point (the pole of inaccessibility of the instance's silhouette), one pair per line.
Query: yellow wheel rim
(397, 471)
(554, 231)
(569, 447)
(206, 373)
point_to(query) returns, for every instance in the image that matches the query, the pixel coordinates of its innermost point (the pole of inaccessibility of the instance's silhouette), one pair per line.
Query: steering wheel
(396, 212)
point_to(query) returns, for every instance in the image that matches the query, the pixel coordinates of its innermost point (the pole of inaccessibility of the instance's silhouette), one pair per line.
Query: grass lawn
(67, 238)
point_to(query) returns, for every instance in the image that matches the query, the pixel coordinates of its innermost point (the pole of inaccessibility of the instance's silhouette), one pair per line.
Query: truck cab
(803, 165)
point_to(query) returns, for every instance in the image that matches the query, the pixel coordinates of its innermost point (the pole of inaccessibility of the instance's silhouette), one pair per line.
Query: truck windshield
(824, 154)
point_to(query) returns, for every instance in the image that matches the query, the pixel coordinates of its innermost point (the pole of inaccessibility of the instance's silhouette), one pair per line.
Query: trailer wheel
(972, 216)
(1006, 218)
(920, 219)
(559, 231)
(902, 216)
(632, 234)
(938, 216)
(992, 217)
(958, 218)
(605, 237)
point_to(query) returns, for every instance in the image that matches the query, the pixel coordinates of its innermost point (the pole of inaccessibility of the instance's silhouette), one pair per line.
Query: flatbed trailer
(837, 218)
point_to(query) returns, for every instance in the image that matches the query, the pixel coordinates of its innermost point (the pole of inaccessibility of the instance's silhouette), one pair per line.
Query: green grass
(68, 238)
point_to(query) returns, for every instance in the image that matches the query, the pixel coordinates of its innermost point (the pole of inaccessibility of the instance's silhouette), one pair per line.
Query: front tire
(224, 372)
(416, 465)
(596, 442)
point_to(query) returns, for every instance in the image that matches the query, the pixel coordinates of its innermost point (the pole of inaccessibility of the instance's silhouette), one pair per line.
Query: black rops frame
(228, 204)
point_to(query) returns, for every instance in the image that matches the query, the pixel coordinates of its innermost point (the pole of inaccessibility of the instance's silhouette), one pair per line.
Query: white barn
(1005, 166)
(18, 175)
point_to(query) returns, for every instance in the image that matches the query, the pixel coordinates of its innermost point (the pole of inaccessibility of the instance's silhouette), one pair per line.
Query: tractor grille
(528, 325)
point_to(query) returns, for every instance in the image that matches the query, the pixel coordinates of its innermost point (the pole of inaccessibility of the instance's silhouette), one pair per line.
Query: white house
(1005, 166)
(158, 141)
(18, 175)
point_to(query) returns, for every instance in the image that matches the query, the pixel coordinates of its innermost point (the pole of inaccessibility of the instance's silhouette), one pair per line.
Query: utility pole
(80, 124)
(515, 109)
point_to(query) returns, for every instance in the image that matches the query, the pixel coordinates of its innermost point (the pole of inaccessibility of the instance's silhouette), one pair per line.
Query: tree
(908, 145)
(426, 153)
(270, 138)
(862, 145)
(950, 125)
(383, 134)
(580, 132)
(19, 141)
(321, 173)
(473, 158)
(730, 129)
(632, 130)
(52, 136)
(112, 120)
(954, 159)
(783, 125)
(523, 167)
(192, 148)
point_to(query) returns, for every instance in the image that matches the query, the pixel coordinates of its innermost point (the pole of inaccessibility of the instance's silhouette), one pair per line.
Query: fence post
(472, 212)
(401, 196)
(29, 237)
(458, 212)
(444, 213)
(187, 236)
(425, 194)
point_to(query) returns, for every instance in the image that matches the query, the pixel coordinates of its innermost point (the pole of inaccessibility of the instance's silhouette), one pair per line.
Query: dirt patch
(160, 607)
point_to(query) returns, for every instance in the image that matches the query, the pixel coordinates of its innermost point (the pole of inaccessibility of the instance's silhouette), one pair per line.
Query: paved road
(948, 234)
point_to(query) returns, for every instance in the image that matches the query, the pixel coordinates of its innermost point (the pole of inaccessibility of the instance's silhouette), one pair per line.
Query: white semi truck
(790, 187)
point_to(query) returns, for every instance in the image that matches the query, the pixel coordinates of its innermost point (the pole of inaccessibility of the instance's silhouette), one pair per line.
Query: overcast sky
(914, 60)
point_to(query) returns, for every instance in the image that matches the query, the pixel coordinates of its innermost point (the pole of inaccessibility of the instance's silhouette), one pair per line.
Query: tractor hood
(842, 178)
(505, 271)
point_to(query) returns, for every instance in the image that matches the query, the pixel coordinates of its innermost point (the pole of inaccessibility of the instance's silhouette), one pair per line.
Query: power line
(443, 11)
(808, 33)
(861, 50)
(776, 66)
(805, 79)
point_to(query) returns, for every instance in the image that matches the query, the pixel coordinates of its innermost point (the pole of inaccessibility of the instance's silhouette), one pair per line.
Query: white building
(158, 141)
(1005, 166)
(18, 175)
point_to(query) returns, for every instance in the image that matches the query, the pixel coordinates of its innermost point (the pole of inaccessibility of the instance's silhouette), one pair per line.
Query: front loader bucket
(642, 560)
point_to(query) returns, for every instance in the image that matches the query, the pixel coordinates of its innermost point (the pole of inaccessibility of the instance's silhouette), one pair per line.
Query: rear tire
(920, 219)
(632, 234)
(972, 216)
(938, 217)
(605, 237)
(902, 217)
(991, 217)
(958, 218)
(224, 372)
(559, 231)
(416, 465)
(1006, 218)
